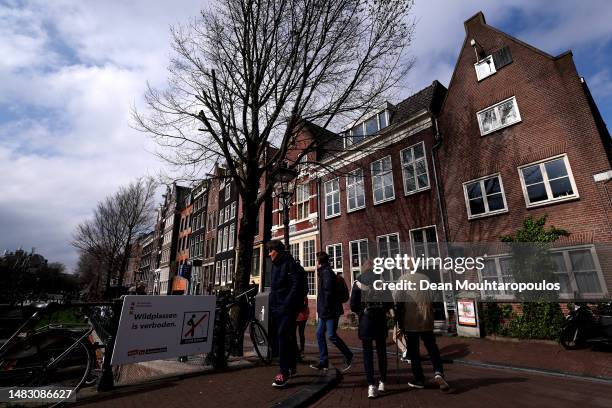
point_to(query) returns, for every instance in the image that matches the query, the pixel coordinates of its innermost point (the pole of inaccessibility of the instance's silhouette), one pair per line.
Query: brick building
(521, 137)
(199, 198)
(227, 216)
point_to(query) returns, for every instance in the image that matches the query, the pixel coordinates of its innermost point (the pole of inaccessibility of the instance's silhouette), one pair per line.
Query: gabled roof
(428, 99)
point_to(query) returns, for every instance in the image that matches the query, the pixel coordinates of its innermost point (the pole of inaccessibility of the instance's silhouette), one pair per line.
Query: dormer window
(369, 126)
(485, 67)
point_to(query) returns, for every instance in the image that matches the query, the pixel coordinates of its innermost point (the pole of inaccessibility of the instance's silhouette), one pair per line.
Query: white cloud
(70, 71)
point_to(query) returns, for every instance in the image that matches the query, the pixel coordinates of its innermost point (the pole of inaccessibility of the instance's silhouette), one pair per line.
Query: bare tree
(248, 74)
(116, 222)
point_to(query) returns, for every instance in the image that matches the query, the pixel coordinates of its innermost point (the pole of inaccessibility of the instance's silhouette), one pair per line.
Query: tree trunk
(124, 261)
(246, 239)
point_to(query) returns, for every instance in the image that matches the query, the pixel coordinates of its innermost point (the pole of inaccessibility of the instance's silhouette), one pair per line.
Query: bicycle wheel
(260, 341)
(38, 361)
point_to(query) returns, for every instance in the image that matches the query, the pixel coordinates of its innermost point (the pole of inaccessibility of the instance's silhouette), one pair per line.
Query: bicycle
(51, 355)
(233, 334)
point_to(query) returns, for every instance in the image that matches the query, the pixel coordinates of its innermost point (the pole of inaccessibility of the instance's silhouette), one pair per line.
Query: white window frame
(305, 259)
(330, 196)
(230, 270)
(233, 211)
(228, 191)
(572, 275)
(355, 186)
(304, 202)
(482, 61)
(487, 213)
(348, 140)
(495, 106)
(220, 240)
(385, 199)
(332, 250)
(547, 182)
(225, 238)
(422, 229)
(231, 236)
(386, 239)
(353, 269)
(218, 273)
(424, 158)
(502, 295)
(224, 271)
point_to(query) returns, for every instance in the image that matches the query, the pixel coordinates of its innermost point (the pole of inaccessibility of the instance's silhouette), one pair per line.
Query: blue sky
(71, 70)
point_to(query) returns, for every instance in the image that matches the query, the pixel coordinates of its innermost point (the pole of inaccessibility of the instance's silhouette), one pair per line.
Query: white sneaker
(381, 386)
(372, 391)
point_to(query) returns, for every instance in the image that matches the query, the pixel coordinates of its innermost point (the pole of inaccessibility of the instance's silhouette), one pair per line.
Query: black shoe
(416, 384)
(319, 366)
(347, 364)
(279, 381)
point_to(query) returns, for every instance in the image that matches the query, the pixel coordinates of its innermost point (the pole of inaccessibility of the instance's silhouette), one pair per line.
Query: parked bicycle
(57, 355)
(227, 315)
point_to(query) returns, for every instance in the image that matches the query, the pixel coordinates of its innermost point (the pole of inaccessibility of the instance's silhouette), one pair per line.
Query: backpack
(341, 289)
(303, 278)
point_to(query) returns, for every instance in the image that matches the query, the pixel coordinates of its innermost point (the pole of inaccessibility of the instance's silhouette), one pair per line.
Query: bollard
(219, 361)
(106, 381)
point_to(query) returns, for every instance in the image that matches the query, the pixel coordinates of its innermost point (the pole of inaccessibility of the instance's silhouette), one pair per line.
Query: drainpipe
(440, 200)
(319, 213)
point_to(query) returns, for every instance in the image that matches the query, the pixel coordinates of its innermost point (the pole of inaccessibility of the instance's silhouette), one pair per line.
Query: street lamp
(284, 176)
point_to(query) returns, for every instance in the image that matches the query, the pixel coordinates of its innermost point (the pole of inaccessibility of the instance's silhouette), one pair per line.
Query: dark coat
(285, 298)
(371, 312)
(328, 305)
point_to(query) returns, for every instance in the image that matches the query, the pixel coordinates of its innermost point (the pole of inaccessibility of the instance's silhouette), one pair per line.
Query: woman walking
(372, 307)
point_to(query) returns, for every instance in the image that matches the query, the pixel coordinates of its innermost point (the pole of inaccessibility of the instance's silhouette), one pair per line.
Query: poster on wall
(159, 327)
(466, 311)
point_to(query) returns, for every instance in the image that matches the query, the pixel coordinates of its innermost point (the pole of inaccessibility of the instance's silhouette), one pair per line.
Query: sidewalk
(244, 387)
(524, 353)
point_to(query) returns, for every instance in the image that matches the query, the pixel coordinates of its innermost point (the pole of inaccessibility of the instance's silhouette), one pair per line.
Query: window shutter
(502, 57)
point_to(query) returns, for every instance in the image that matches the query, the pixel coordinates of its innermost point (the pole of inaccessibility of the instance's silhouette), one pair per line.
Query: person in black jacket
(372, 306)
(285, 302)
(329, 310)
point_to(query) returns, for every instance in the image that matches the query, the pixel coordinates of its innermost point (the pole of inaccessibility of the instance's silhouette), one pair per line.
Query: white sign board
(159, 327)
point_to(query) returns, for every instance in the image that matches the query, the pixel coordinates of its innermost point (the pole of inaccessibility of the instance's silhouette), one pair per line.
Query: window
(294, 250)
(221, 216)
(218, 272)
(424, 242)
(303, 201)
(255, 263)
(220, 240)
(225, 238)
(312, 283)
(498, 116)
(230, 270)
(232, 232)
(359, 254)
(309, 253)
(497, 269)
(485, 196)
(332, 198)
(355, 192)
(485, 67)
(414, 168)
(548, 181)
(335, 256)
(382, 180)
(233, 211)
(365, 128)
(578, 271)
(388, 245)
(228, 191)
(227, 213)
(223, 271)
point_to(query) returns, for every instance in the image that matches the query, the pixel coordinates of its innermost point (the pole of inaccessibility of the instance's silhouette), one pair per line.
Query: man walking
(415, 318)
(285, 302)
(329, 309)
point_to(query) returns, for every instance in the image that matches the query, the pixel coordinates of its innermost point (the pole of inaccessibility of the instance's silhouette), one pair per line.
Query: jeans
(368, 359)
(330, 326)
(286, 343)
(429, 340)
(301, 326)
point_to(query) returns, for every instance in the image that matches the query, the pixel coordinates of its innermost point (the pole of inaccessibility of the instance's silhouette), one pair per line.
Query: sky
(70, 71)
